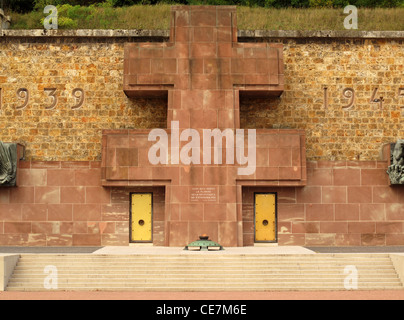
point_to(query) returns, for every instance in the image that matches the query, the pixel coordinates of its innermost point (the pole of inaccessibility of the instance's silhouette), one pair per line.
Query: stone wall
(63, 204)
(333, 131)
(60, 200)
(95, 65)
(345, 203)
(64, 133)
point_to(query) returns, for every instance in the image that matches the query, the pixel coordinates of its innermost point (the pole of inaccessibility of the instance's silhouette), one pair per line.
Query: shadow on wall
(262, 113)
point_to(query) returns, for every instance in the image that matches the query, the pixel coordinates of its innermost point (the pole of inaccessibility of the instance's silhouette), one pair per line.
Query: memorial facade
(160, 137)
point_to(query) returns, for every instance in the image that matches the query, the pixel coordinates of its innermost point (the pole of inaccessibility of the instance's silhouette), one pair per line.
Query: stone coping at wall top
(164, 34)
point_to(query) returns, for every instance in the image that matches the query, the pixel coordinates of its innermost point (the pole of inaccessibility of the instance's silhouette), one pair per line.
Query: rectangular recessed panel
(141, 217)
(265, 213)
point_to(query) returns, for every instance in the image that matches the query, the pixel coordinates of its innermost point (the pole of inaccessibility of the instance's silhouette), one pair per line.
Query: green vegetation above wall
(105, 16)
(24, 6)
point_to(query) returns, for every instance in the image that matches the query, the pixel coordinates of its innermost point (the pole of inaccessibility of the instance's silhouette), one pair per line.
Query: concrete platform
(20, 250)
(150, 249)
(146, 249)
(154, 250)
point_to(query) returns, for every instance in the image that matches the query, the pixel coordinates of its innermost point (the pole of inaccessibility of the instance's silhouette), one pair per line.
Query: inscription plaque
(203, 194)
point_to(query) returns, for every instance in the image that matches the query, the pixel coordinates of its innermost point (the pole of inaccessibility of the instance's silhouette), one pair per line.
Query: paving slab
(240, 296)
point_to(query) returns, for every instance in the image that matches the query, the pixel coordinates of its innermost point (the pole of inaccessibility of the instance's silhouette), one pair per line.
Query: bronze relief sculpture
(8, 164)
(396, 168)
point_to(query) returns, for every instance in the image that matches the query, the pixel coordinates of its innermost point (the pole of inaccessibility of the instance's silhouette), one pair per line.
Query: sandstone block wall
(335, 131)
(64, 133)
(345, 203)
(95, 65)
(63, 204)
(60, 200)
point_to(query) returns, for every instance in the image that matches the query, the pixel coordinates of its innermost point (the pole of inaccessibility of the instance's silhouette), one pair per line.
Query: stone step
(184, 271)
(255, 265)
(228, 280)
(210, 261)
(204, 289)
(262, 275)
(237, 287)
(202, 281)
(206, 268)
(199, 286)
(200, 257)
(204, 256)
(204, 273)
(145, 271)
(188, 273)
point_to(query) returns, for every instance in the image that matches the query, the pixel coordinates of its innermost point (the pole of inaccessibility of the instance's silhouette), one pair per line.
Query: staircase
(201, 272)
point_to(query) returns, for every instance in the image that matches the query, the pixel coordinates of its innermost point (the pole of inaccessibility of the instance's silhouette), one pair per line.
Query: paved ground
(243, 296)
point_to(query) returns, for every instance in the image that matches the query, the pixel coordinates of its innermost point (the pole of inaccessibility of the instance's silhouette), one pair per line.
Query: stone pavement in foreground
(244, 296)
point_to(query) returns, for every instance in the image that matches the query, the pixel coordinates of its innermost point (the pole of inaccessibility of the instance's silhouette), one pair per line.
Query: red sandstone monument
(202, 71)
(200, 172)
